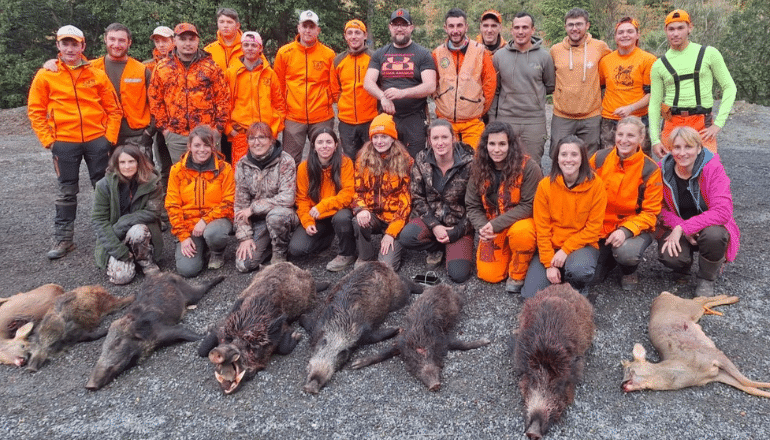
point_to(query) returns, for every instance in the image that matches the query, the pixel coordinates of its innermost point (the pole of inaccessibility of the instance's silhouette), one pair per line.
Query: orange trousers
(240, 145)
(509, 254)
(698, 122)
(469, 131)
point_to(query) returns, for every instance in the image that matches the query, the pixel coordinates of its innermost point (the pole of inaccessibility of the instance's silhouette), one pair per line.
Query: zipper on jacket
(307, 95)
(355, 87)
(77, 100)
(457, 83)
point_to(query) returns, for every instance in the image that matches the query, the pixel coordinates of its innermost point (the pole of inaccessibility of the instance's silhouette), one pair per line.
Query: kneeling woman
(199, 203)
(382, 202)
(697, 212)
(325, 188)
(265, 187)
(569, 211)
(439, 181)
(634, 195)
(127, 204)
(499, 199)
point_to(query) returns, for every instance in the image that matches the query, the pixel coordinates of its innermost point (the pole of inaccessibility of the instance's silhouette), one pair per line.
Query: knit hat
(383, 124)
(357, 24)
(677, 15)
(251, 35)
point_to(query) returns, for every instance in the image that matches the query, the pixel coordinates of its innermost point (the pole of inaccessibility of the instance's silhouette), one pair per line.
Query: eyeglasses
(400, 25)
(260, 138)
(579, 24)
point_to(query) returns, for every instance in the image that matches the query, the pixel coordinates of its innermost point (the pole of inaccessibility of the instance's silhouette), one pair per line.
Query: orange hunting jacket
(256, 97)
(331, 200)
(182, 98)
(386, 196)
(634, 189)
(73, 105)
(354, 104)
(568, 219)
(133, 92)
(304, 76)
(225, 55)
(193, 195)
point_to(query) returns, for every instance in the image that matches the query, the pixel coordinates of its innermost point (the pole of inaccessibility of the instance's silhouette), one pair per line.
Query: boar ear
(143, 329)
(639, 353)
(24, 330)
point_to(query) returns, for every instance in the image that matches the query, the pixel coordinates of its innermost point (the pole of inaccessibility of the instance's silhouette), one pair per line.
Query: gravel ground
(173, 394)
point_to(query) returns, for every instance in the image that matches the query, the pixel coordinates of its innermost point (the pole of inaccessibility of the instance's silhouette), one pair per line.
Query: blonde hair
(635, 121)
(688, 134)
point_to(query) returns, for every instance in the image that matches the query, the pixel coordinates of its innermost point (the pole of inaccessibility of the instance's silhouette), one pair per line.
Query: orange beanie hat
(384, 124)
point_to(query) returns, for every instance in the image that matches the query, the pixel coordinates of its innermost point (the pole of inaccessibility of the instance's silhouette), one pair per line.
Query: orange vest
(460, 94)
(133, 92)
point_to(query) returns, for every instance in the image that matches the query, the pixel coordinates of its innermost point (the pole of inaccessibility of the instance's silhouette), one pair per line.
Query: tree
(746, 51)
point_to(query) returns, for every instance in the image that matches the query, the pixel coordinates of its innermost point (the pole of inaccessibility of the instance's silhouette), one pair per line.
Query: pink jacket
(709, 184)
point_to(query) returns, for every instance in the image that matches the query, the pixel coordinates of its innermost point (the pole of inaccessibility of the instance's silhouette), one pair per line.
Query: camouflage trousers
(139, 240)
(273, 231)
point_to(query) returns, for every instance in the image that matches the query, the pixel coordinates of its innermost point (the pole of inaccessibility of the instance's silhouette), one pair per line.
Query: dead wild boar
(355, 308)
(18, 315)
(424, 340)
(75, 317)
(258, 324)
(151, 322)
(555, 330)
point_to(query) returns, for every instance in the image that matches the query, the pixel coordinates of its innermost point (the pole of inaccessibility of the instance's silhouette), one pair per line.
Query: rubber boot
(707, 274)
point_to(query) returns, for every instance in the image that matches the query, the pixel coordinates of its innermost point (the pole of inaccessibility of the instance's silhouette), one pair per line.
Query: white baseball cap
(308, 16)
(70, 31)
(162, 31)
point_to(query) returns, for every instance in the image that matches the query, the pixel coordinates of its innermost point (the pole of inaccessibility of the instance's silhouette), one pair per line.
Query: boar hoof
(296, 335)
(435, 386)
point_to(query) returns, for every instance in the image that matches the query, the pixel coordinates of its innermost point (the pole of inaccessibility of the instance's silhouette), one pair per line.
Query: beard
(401, 40)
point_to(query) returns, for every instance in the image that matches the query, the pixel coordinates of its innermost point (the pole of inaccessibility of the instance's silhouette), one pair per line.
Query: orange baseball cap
(185, 27)
(678, 15)
(356, 24)
(491, 13)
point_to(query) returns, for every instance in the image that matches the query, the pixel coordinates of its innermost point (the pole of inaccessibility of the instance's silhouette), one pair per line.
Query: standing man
(466, 79)
(76, 114)
(187, 89)
(227, 48)
(401, 76)
(163, 39)
(525, 77)
(256, 95)
(577, 100)
(687, 95)
(491, 25)
(304, 68)
(355, 106)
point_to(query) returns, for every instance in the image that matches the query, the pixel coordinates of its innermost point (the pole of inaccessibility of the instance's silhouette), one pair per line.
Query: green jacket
(111, 228)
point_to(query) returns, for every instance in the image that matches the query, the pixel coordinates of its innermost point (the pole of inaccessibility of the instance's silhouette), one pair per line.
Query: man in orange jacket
(76, 114)
(304, 68)
(466, 79)
(163, 39)
(227, 48)
(491, 24)
(355, 106)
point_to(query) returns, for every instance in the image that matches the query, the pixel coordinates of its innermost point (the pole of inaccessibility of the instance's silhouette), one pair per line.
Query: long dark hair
(144, 169)
(315, 169)
(584, 172)
(483, 167)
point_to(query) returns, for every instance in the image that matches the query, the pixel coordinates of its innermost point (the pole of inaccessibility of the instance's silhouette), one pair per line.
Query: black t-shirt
(687, 207)
(402, 68)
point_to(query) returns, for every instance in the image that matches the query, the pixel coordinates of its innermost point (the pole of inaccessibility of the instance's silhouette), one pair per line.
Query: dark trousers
(628, 255)
(66, 162)
(712, 245)
(339, 224)
(578, 270)
(411, 131)
(459, 254)
(353, 137)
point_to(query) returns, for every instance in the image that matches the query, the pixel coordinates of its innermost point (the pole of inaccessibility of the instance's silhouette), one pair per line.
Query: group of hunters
(227, 132)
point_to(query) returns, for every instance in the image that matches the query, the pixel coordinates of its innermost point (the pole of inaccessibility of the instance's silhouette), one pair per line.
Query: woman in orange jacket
(634, 196)
(568, 211)
(325, 188)
(199, 201)
(382, 202)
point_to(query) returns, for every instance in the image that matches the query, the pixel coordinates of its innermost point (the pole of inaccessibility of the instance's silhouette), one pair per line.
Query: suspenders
(695, 76)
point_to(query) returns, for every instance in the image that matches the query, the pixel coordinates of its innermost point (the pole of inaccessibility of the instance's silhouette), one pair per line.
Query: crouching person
(499, 199)
(382, 202)
(325, 188)
(265, 187)
(439, 180)
(127, 204)
(199, 202)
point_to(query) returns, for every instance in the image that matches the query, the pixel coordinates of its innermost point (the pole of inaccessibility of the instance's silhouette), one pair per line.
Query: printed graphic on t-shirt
(623, 75)
(398, 66)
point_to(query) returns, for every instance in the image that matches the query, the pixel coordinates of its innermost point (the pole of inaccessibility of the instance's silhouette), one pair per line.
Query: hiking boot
(514, 286)
(278, 257)
(216, 260)
(340, 262)
(433, 260)
(629, 282)
(61, 249)
(359, 262)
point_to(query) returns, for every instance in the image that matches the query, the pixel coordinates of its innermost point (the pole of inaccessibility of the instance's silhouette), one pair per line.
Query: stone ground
(173, 394)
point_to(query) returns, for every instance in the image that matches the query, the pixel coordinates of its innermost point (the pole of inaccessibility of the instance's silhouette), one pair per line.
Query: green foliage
(553, 12)
(746, 51)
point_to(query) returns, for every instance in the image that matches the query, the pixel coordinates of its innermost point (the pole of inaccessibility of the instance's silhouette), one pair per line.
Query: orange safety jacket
(73, 105)
(466, 82)
(354, 104)
(304, 75)
(256, 97)
(386, 196)
(152, 62)
(222, 53)
(193, 195)
(331, 201)
(133, 92)
(181, 98)
(634, 189)
(568, 219)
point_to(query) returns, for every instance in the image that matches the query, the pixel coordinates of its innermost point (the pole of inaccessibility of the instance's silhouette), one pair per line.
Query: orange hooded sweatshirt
(634, 189)
(73, 105)
(304, 75)
(193, 195)
(222, 53)
(578, 94)
(568, 219)
(256, 97)
(331, 200)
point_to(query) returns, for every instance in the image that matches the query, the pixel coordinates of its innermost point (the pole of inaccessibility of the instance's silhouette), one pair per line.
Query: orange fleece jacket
(304, 76)
(331, 200)
(255, 96)
(354, 104)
